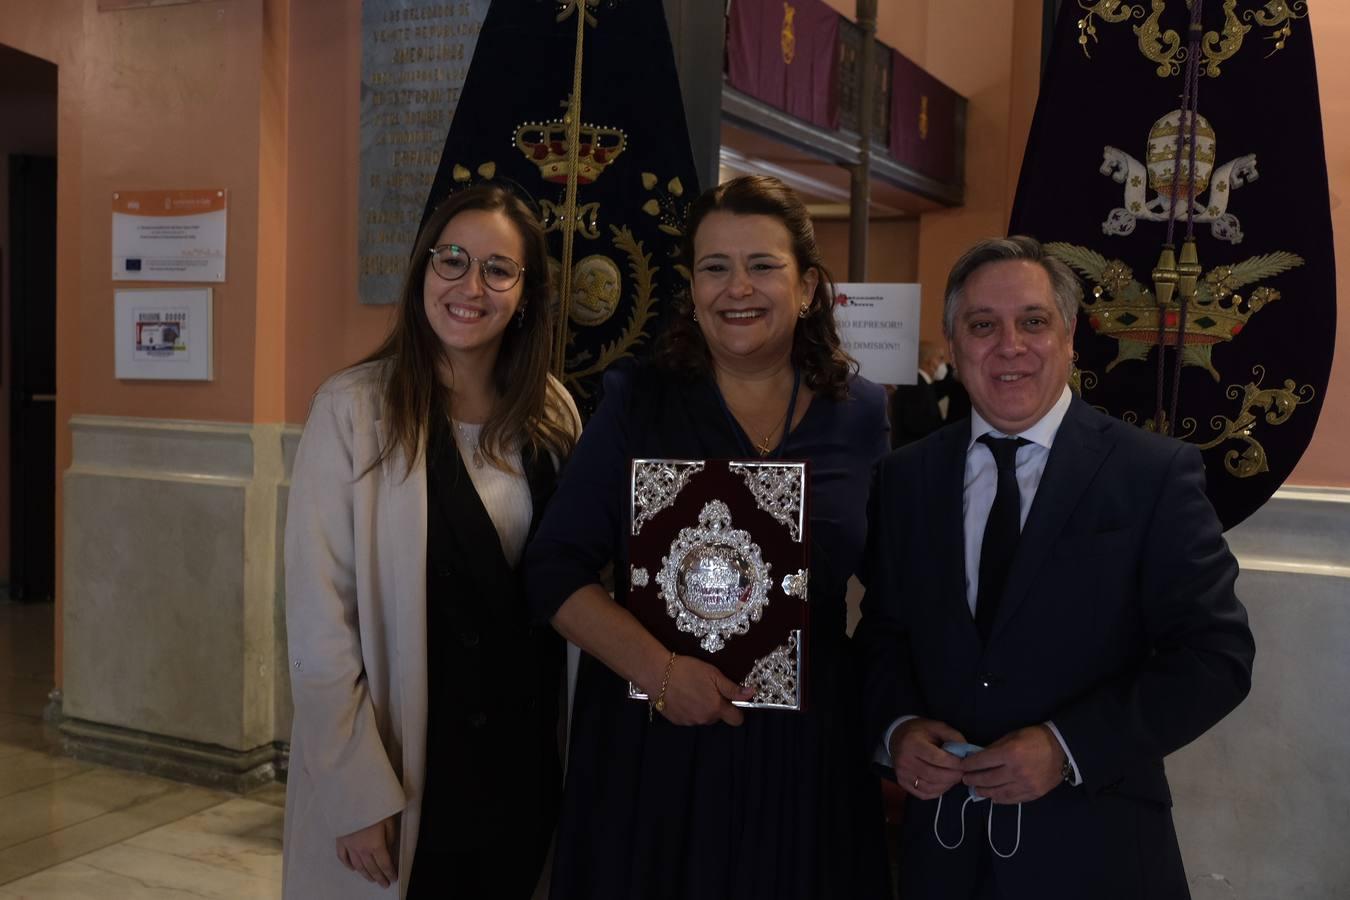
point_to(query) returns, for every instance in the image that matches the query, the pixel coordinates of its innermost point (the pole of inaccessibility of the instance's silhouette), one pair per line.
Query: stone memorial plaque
(414, 57)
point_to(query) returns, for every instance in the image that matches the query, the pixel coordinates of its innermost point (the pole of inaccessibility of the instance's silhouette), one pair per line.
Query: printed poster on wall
(163, 334)
(879, 326)
(168, 235)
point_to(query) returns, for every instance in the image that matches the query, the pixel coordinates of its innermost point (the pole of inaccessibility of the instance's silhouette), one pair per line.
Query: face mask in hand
(961, 751)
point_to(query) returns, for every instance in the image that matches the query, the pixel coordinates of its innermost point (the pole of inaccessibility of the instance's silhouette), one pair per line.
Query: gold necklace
(764, 446)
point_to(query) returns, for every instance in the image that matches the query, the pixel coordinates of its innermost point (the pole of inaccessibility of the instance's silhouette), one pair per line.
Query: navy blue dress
(782, 807)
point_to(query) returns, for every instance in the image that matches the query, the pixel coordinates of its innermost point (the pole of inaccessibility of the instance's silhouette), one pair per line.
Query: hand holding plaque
(718, 569)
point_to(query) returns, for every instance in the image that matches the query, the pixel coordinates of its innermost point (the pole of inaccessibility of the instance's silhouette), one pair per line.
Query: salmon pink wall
(173, 103)
(1326, 461)
(326, 326)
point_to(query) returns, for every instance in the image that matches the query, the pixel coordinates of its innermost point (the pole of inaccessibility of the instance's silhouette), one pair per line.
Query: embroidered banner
(578, 103)
(1111, 152)
(925, 131)
(786, 53)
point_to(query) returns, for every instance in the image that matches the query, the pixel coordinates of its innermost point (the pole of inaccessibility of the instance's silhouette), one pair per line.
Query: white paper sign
(168, 235)
(879, 326)
(163, 334)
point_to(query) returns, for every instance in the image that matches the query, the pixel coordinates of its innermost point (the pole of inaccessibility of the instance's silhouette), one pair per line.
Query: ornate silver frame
(655, 485)
(776, 678)
(777, 488)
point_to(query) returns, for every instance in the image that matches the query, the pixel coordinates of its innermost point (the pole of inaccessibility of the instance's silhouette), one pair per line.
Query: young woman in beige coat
(423, 756)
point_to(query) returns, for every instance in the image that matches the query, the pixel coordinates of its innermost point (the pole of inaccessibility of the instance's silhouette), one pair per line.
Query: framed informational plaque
(718, 569)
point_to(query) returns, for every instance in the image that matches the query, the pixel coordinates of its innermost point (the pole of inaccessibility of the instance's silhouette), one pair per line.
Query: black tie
(1001, 532)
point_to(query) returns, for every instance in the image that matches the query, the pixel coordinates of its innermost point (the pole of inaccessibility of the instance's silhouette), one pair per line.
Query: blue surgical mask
(961, 751)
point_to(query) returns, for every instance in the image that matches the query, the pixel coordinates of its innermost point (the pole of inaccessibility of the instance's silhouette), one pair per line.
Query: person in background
(424, 758)
(708, 801)
(1050, 611)
(914, 408)
(953, 399)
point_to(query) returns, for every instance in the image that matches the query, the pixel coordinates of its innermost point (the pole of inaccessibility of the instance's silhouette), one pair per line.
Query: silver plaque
(714, 581)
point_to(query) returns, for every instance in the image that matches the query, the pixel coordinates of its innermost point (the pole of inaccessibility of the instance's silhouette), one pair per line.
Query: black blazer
(1119, 623)
(914, 413)
(494, 677)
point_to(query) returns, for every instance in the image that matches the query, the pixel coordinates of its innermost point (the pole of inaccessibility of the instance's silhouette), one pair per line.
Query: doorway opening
(27, 326)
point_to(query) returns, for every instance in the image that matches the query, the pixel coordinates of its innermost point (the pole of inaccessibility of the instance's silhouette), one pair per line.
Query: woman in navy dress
(704, 800)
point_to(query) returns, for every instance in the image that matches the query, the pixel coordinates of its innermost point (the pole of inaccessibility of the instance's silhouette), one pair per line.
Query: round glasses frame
(493, 283)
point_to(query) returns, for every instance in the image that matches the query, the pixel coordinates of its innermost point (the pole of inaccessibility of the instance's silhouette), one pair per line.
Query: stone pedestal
(174, 653)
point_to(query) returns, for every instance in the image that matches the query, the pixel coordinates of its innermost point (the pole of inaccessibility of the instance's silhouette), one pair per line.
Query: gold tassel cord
(569, 211)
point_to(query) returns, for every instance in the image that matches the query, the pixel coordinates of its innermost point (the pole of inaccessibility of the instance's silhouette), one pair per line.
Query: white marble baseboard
(172, 600)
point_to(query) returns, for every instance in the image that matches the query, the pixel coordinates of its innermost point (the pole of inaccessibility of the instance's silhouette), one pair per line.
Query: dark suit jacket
(914, 412)
(1119, 623)
(958, 400)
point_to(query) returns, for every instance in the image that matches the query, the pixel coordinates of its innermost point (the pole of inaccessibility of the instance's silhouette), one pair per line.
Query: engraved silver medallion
(714, 581)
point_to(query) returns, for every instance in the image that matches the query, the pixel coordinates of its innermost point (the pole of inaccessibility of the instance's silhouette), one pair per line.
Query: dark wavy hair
(410, 387)
(816, 348)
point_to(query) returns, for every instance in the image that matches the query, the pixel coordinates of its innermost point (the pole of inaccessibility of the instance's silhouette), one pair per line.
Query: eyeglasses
(451, 262)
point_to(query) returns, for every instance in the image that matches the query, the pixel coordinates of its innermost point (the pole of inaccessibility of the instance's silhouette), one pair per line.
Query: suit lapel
(946, 475)
(1077, 454)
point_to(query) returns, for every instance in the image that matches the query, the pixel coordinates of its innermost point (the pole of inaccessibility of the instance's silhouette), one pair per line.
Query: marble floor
(70, 830)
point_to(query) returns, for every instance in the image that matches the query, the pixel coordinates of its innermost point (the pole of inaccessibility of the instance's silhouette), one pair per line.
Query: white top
(505, 495)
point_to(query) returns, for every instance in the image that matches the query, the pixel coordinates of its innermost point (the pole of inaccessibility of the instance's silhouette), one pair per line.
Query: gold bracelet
(659, 704)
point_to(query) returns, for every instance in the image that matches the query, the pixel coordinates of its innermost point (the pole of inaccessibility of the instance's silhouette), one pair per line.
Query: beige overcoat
(356, 630)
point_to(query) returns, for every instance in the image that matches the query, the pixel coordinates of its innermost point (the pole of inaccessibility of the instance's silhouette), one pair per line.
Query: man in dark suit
(914, 408)
(951, 395)
(1052, 585)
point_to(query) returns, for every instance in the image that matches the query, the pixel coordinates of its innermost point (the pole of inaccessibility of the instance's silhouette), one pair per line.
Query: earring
(801, 313)
(520, 316)
(695, 314)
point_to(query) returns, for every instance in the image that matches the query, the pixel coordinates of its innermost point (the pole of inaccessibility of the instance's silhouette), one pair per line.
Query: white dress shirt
(981, 484)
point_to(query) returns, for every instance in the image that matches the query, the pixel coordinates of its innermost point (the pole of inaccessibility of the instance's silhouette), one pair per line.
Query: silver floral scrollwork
(656, 484)
(776, 678)
(777, 488)
(796, 583)
(714, 580)
(638, 577)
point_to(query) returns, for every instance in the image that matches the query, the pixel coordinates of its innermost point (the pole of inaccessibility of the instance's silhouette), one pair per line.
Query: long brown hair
(531, 409)
(816, 348)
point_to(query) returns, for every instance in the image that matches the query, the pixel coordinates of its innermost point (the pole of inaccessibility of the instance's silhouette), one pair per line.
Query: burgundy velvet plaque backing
(718, 561)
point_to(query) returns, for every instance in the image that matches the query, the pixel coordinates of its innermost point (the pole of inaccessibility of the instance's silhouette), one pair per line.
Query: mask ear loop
(989, 831)
(938, 815)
